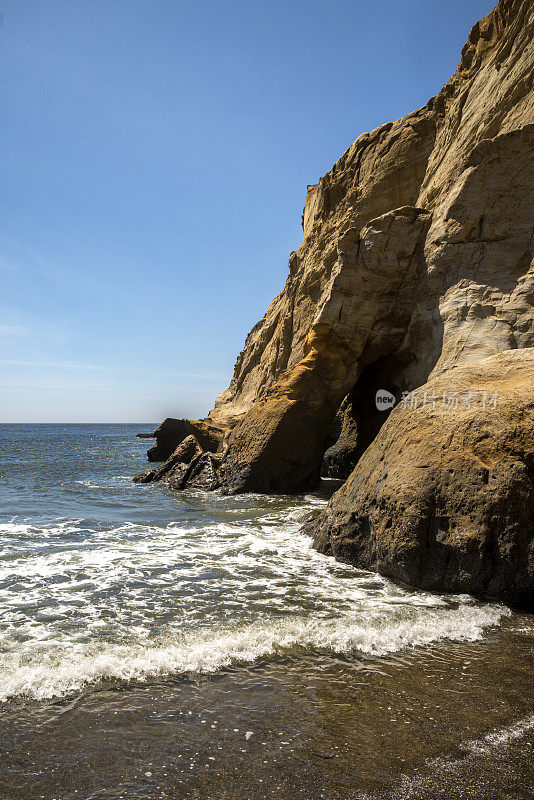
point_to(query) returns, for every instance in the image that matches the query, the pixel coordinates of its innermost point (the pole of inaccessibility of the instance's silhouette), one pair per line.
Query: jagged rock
(145, 477)
(176, 469)
(416, 256)
(173, 431)
(205, 473)
(186, 451)
(189, 467)
(443, 499)
(178, 466)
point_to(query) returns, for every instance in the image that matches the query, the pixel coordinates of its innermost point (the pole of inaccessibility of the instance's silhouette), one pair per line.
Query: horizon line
(60, 422)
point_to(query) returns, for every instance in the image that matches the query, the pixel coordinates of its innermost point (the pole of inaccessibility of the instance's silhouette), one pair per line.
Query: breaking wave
(63, 670)
(87, 604)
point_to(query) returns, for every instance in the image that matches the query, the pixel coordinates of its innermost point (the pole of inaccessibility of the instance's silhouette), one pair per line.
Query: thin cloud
(13, 330)
(15, 362)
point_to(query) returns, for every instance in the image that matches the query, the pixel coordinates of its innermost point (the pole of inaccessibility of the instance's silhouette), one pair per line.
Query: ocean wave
(57, 671)
(230, 586)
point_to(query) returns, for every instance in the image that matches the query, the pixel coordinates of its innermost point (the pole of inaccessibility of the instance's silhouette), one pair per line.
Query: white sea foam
(61, 670)
(137, 601)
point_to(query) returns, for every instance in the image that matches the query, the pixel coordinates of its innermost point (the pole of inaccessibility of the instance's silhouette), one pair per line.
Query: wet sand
(450, 721)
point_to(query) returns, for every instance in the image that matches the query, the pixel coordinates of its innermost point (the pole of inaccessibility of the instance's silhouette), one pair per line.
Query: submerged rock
(443, 499)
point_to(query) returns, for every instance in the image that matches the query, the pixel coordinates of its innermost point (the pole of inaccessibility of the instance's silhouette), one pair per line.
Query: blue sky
(155, 156)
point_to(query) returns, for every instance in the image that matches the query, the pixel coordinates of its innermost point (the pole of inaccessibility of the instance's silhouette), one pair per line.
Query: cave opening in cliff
(359, 420)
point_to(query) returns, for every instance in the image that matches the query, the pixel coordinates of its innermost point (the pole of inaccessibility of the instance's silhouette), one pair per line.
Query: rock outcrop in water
(172, 432)
(416, 261)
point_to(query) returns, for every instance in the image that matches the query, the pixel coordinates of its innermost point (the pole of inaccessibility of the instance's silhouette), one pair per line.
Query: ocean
(160, 644)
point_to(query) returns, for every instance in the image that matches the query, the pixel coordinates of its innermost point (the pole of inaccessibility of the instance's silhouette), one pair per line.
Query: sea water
(191, 626)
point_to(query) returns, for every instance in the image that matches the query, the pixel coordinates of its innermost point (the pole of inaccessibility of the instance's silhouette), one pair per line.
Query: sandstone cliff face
(416, 257)
(444, 497)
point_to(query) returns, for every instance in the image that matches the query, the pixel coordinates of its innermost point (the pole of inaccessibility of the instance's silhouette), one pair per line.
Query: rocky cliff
(444, 496)
(416, 259)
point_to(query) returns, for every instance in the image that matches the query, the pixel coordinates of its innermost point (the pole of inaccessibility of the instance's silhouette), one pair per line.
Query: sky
(155, 156)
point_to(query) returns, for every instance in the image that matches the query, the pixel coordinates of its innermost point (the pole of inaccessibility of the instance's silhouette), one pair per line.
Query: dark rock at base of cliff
(176, 468)
(443, 499)
(189, 467)
(172, 432)
(145, 477)
(205, 473)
